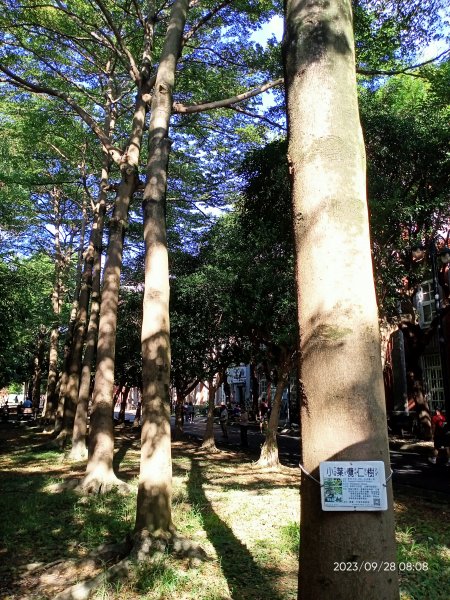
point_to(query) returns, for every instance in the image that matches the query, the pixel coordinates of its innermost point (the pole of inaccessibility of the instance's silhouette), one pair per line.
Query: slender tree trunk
(343, 411)
(179, 417)
(52, 398)
(79, 448)
(60, 418)
(269, 452)
(123, 403)
(137, 416)
(99, 470)
(182, 390)
(93, 276)
(154, 503)
(209, 442)
(37, 374)
(76, 418)
(51, 401)
(254, 389)
(69, 392)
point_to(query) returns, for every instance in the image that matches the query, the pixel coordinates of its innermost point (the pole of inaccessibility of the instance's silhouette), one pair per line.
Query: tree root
(62, 439)
(209, 445)
(78, 453)
(269, 458)
(92, 484)
(145, 547)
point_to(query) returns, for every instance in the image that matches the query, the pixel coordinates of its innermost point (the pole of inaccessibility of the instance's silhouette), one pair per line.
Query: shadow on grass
(37, 525)
(126, 444)
(246, 579)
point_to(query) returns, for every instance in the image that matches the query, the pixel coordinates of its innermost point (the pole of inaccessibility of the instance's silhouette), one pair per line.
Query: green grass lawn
(244, 518)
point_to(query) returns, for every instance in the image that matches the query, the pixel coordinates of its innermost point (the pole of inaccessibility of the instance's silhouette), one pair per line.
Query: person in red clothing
(440, 436)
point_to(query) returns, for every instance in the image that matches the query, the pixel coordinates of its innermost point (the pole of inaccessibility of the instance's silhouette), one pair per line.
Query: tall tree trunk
(99, 470)
(64, 374)
(92, 278)
(123, 403)
(269, 452)
(254, 389)
(70, 387)
(154, 502)
(343, 412)
(79, 448)
(52, 379)
(37, 374)
(209, 442)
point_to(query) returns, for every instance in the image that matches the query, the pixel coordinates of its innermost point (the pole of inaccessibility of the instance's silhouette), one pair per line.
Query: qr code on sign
(376, 502)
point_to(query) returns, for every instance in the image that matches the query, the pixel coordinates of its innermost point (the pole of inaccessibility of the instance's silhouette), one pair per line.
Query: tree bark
(37, 374)
(52, 379)
(269, 452)
(154, 502)
(99, 470)
(69, 392)
(343, 412)
(79, 449)
(209, 442)
(76, 418)
(123, 403)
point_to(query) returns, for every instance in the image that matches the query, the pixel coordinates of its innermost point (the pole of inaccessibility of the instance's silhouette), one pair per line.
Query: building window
(434, 384)
(425, 303)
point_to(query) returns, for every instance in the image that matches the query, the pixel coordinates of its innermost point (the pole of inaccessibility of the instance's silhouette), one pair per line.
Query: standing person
(439, 436)
(243, 423)
(223, 418)
(190, 412)
(5, 413)
(263, 409)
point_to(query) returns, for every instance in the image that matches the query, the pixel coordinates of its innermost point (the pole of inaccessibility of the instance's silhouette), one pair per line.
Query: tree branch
(256, 116)
(17, 81)
(196, 108)
(405, 71)
(134, 71)
(189, 34)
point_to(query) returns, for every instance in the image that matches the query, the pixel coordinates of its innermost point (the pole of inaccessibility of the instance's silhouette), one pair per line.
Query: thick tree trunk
(343, 412)
(269, 452)
(154, 503)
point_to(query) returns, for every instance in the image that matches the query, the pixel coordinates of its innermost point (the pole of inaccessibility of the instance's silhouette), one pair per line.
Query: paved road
(410, 468)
